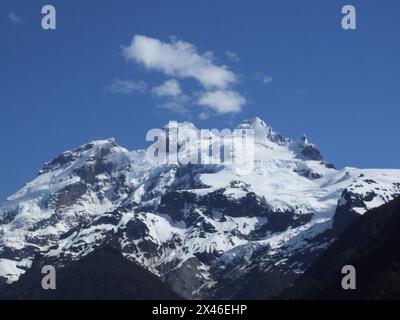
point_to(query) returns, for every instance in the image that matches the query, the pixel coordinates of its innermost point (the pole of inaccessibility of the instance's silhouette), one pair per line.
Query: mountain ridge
(103, 274)
(370, 245)
(198, 227)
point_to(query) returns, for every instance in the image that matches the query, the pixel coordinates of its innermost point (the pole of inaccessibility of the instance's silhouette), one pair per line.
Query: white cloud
(263, 77)
(170, 88)
(12, 17)
(232, 56)
(174, 99)
(127, 86)
(203, 116)
(179, 59)
(223, 101)
(178, 104)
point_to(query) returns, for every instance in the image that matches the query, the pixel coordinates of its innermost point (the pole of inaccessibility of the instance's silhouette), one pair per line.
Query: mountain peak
(303, 141)
(106, 142)
(254, 123)
(263, 131)
(95, 147)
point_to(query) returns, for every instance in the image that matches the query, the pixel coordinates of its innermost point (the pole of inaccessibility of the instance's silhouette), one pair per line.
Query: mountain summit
(205, 230)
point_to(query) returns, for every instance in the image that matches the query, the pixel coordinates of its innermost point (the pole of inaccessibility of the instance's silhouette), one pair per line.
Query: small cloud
(260, 76)
(223, 102)
(209, 55)
(231, 56)
(175, 106)
(174, 99)
(170, 88)
(204, 116)
(178, 59)
(127, 86)
(13, 18)
(178, 104)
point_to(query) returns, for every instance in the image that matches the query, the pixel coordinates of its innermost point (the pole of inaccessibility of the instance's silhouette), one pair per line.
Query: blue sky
(289, 62)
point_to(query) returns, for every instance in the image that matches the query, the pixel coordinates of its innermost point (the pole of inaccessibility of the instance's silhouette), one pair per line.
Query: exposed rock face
(362, 195)
(206, 230)
(344, 214)
(370, 243)
(311, 152)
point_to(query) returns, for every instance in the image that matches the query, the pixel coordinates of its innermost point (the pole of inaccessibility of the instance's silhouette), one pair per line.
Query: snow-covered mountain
(206, 230)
